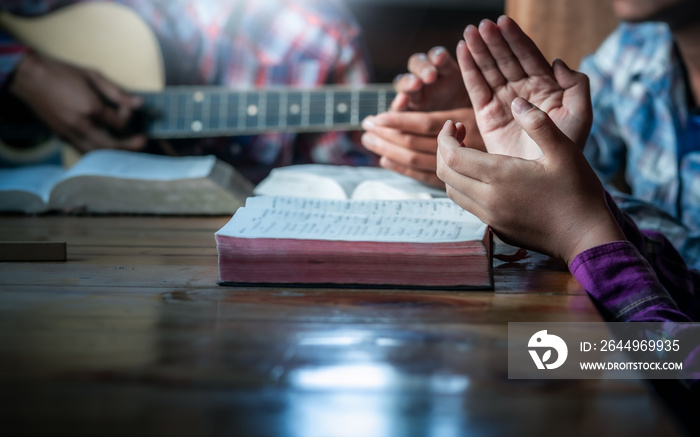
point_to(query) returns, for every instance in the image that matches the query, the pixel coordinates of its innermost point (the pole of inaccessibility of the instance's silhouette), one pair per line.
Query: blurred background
(395, 29)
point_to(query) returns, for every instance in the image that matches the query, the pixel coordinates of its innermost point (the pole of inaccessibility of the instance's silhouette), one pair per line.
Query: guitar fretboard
(181, 112)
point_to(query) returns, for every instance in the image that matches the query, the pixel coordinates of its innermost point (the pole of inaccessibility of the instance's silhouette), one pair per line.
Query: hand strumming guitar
(81, 106)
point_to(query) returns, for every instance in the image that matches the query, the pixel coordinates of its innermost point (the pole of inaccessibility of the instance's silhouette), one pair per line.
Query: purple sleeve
(680, 281)
(623, 285)
(640, 279)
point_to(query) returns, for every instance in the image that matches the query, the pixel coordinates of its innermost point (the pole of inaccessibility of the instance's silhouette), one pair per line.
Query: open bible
(373, 243)
(118, 181)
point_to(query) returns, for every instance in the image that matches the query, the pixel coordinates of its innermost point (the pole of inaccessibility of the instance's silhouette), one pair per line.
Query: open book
(393, 243)
(116, 181)
(343, 182)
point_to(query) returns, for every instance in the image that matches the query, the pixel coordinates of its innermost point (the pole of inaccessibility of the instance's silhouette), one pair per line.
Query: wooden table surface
(132, 336)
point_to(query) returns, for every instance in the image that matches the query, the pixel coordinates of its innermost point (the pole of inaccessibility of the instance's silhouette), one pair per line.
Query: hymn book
(373, 243)
(118, 181)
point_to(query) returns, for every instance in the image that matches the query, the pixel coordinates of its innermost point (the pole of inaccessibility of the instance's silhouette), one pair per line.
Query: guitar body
(121, 47)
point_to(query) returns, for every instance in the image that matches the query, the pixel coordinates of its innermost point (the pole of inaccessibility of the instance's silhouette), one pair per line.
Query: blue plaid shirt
(644, 127)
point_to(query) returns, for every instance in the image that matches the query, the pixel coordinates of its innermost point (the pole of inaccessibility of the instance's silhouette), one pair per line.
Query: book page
(442, 209)
(341, 182)
(134, 165)
(354, 220)
(293, 183)
(396, 187)
(38, 179)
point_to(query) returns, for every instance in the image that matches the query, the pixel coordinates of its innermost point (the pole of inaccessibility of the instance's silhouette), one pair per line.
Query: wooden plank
(111, 231)
(32, 251)
(284, 306)
(127, 274)
(158, 270)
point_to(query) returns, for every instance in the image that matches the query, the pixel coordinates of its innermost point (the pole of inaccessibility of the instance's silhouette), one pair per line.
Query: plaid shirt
(243, 44)
(641, 279)
(643, 126)
(644, 279)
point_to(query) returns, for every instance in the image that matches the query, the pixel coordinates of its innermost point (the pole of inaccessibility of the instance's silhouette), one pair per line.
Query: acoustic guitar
(124, 49)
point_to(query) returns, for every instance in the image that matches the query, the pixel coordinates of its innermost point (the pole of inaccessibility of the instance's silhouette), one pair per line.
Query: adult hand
(405, 137)
(81, 106)
(433, 83)
(407, 141)
(499, 63)
(554, 205)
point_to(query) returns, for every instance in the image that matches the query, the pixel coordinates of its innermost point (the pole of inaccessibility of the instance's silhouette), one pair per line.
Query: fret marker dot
(196, 126)
(198, 96)
(294, 108)
(252, 110)
(342, 108)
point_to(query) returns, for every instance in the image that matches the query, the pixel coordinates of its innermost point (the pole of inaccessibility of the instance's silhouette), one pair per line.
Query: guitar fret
(283, 110)
(188, 116)
(294, 114)
(182, 102)
(192, 122)
(272, 118)
(381, 104)
(201, 110)
(318, 107)
(262, 109)
(330, 103)
(342, 103)
(172, 112)
(212, 112)
(164, 121)
(305, 102)
(354, 105)
(252, 110)
(177, 109)
(232, 112)
(242, 110)
(170, 119)
(223, 113)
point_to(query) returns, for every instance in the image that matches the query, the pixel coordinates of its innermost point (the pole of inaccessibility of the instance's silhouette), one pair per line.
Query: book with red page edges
(294, 241)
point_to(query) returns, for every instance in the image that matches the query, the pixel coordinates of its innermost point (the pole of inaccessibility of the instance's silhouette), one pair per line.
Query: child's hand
(499, 63)
(555, 204)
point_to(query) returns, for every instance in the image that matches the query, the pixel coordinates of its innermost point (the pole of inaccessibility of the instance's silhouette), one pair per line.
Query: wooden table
(132, 336)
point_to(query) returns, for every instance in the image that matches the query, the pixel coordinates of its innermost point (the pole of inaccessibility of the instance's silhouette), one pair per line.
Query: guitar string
(226, 113)
(363, 103)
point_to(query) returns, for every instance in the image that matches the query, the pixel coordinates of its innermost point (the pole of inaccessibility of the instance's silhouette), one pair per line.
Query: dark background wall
(396, 29)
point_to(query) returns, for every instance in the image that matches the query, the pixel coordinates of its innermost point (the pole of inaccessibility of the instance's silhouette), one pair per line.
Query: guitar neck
(180, 112)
